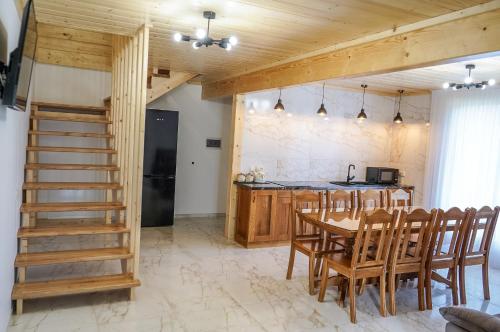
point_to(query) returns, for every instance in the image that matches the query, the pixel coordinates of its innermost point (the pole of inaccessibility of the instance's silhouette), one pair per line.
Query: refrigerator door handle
(171, 177)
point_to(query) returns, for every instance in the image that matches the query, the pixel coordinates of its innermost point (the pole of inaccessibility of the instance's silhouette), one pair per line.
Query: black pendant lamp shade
(279, 105)
(398, 118)
(322, 110)
(362, 115)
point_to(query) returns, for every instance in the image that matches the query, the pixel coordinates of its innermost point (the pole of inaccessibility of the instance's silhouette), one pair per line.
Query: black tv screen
(21, 62)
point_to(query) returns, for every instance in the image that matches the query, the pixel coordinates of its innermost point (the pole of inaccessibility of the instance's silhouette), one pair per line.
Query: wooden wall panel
(73, 47)
(128, 110)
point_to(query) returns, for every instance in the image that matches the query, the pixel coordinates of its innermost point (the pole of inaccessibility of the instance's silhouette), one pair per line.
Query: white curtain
(463, 164)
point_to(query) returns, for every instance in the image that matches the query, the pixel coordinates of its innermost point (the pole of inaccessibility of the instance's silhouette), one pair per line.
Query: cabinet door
(282, 227)
(262, 215)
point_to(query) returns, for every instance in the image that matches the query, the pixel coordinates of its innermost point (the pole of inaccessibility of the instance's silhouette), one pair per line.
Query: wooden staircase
(38, 224)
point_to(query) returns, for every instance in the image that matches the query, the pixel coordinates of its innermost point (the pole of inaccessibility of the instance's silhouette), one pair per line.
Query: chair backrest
(448, 234)
(374, 238)
(399, 197)
(337, 199)
(479, 236)
(370, 198)
(304, 200)
(409, 249)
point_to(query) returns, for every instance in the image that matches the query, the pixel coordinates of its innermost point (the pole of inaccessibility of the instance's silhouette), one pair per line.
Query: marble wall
(299, 145)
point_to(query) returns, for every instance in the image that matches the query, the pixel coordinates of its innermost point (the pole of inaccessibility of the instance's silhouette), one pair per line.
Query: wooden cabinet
(263, 217)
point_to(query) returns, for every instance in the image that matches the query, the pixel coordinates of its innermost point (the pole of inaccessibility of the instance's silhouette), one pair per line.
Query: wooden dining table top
(344, 222)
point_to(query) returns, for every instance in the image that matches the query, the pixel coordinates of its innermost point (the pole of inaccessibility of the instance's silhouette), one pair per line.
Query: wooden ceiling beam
(452, 41)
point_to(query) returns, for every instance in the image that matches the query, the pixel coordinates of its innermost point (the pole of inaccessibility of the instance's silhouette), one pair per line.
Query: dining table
(344, 222)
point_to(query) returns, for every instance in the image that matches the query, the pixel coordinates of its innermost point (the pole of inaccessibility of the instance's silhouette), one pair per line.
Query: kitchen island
(264, 209)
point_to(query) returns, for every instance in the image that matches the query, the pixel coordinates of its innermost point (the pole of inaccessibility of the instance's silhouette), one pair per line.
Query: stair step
(70, 149)
(70, 230)
(70, 185)
(88, 167)
(72, 117)
(65, 107)
(69, 133)
(71, 206)
(71, 256)
(33, 290)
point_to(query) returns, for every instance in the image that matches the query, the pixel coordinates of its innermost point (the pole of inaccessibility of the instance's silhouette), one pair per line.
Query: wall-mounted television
(21, 62)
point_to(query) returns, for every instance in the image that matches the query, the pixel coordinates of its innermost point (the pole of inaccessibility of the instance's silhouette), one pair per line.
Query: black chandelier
(203, 38)
(469, 82)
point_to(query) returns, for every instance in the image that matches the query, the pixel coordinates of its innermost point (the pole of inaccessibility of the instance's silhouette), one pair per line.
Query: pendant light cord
(364, 90)
(280, 94)
(400, 97)
(323, 97)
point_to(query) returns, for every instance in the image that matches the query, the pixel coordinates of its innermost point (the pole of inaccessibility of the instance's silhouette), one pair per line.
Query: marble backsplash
(299, 145)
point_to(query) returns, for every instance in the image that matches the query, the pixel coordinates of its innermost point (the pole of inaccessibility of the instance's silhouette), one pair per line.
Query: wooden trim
(234, 163)
(465, 38)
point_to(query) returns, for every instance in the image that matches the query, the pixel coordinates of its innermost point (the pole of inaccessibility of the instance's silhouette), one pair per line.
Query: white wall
(200, 188)
(66, 85)
(304, 146)
(13, 137)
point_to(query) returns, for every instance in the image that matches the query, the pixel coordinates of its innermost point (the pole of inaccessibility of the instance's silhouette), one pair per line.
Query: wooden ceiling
(423, 80)
(269, 30)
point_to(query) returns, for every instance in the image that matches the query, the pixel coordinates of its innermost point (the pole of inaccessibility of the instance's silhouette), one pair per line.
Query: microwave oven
(382, 175)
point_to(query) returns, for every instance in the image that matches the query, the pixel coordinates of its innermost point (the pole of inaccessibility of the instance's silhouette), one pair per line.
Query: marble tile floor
(193, 279)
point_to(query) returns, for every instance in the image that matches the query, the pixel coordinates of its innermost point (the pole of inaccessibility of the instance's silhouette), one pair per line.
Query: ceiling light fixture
(469, 82)
(322, 110)
(203, 38)
(279, 105)
(398, 118)
(362, 115)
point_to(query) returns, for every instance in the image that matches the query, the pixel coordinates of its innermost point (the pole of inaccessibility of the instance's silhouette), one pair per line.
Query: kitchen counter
(313, 185)
(263, 210)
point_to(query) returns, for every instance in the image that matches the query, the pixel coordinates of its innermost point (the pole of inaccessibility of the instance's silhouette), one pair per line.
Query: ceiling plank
(442, 43)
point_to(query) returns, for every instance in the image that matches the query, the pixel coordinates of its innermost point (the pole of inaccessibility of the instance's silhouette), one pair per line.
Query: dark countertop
(312, 185)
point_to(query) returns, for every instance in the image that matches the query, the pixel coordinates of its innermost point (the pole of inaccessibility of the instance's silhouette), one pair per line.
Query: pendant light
(362, 115)
(398, 118)
(322, 110)
(279, 105)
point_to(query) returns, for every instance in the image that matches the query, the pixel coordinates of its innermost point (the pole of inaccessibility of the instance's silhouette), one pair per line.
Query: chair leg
(343, 290)
(454, 285)
(324, 281)
(461, 275)
(486, 284)
(428, 288)
(383, 308)
(317, 265)
(392, 293)
(312, 260)
(291, 261)
(352, 299)
(421, 301)
(362, 286)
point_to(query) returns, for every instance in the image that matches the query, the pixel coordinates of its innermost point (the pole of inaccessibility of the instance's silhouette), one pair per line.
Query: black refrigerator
(160, 153)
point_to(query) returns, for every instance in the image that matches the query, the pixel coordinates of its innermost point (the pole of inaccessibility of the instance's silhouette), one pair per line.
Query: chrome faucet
(349, 177)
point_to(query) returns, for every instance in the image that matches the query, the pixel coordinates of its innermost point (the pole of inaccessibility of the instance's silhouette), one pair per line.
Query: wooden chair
(370, 198)
(476, 246)
(450, 225)
(305, 238)
(368, 260)
(399, 197)
(408, 256)
(338, 199)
